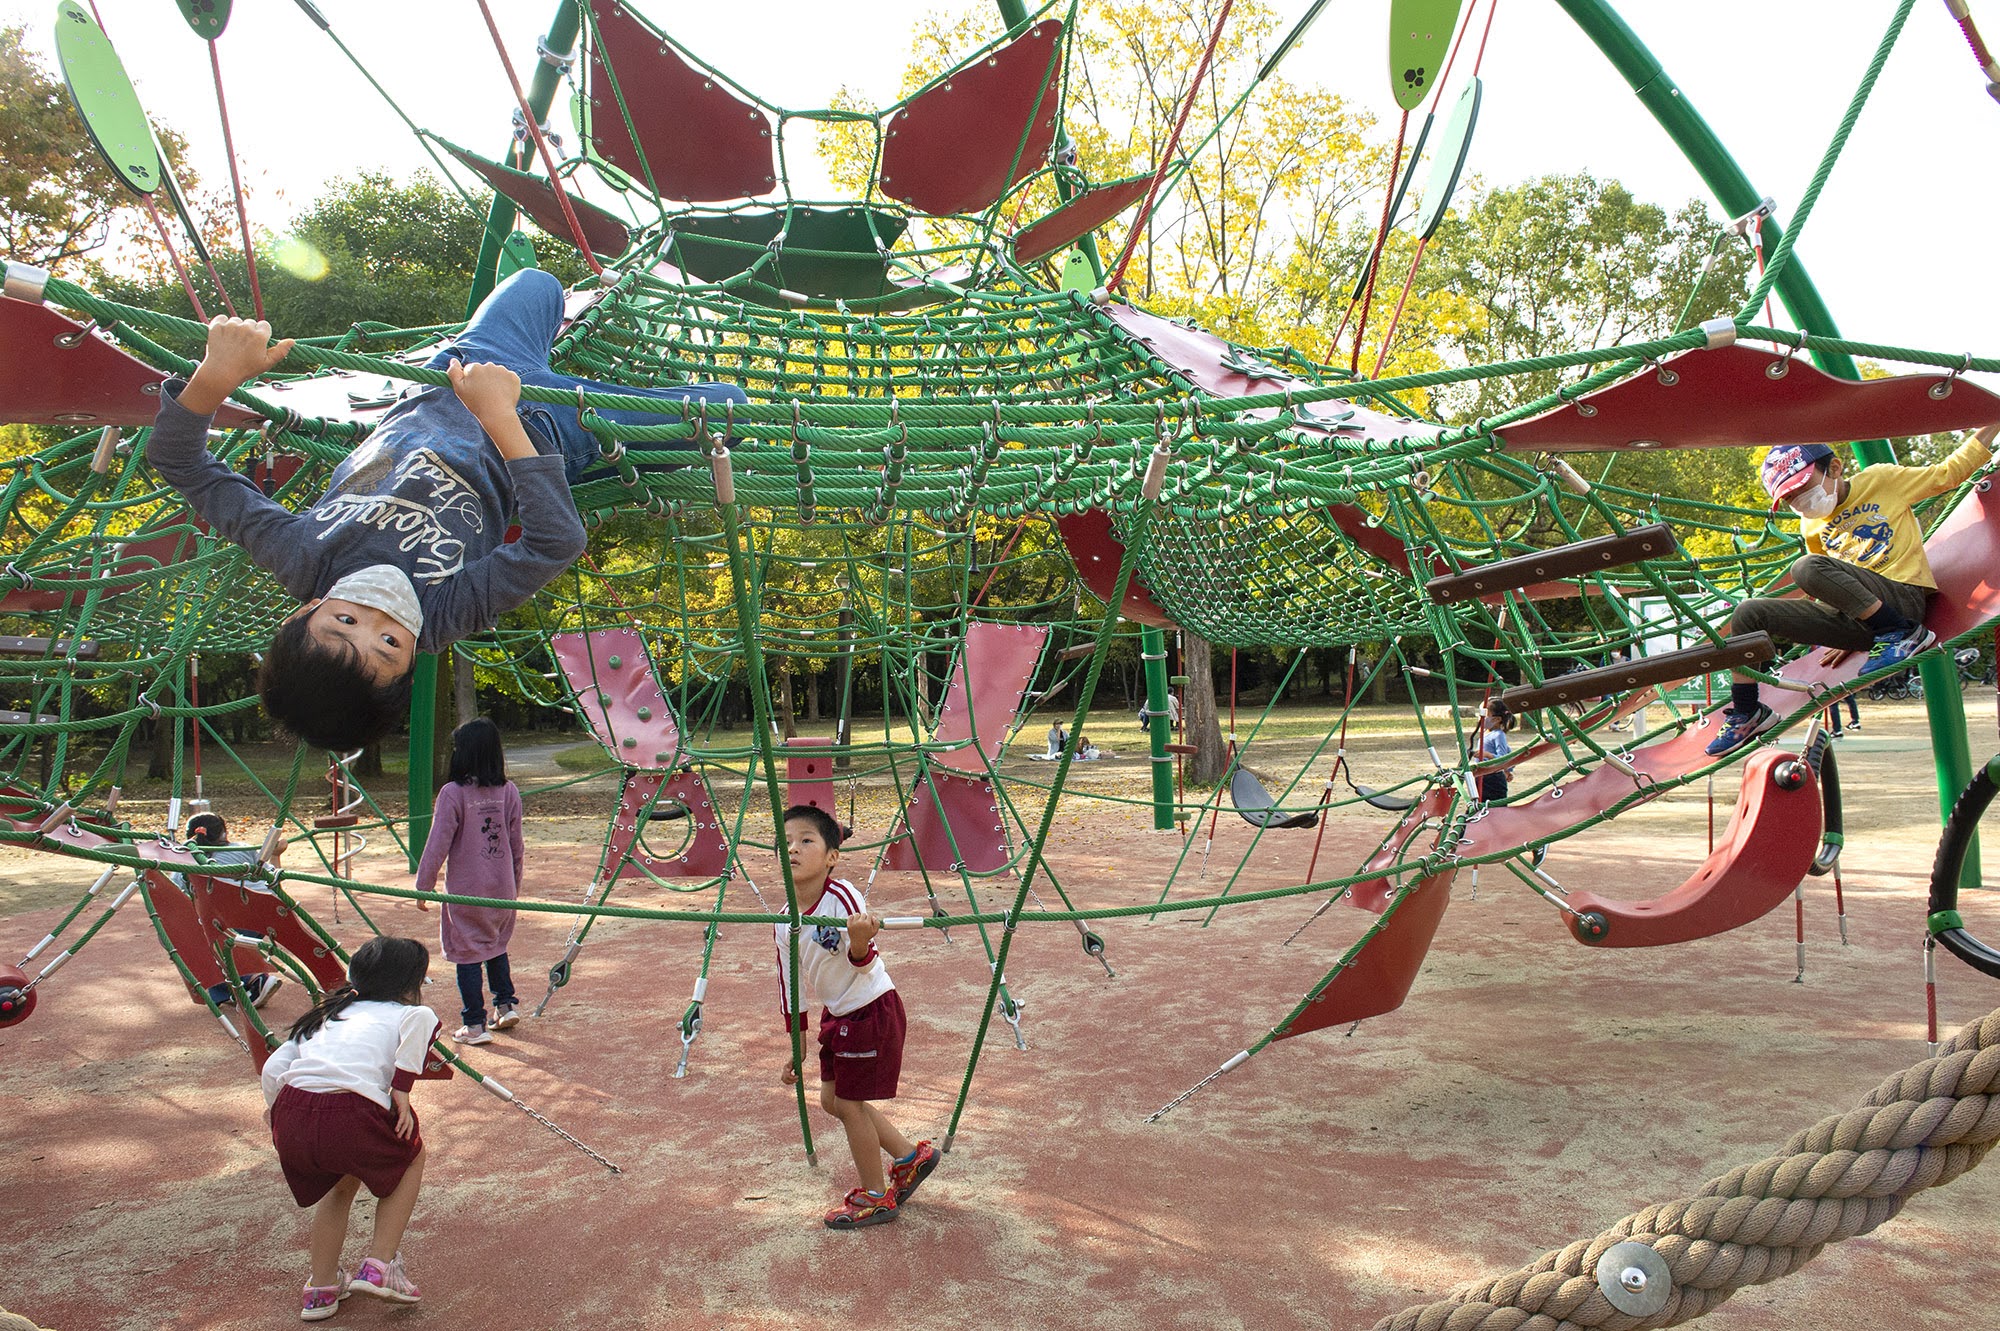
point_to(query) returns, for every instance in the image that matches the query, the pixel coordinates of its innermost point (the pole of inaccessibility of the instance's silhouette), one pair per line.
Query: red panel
(1726, 398)
(1079, 217)
(947, 149)
(809, 774)
(1377, 973)
(1096, 551)
(183, 929)
(1375, 894)
(971, 812)
(702, 142)
(622, 703)
(537, 198)
(138, 557)
(222, 903)
(994, 668)
(705, 855)
(90, 384)
(1765, 853)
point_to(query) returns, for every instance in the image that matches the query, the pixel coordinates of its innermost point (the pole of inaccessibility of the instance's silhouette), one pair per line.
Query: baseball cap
(1789, 467)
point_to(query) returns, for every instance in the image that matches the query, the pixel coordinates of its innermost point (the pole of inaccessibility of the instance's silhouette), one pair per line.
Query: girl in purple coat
(476, 838)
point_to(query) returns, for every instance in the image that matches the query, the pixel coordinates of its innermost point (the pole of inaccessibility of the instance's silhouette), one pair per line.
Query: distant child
(1868, 579)
(208, 830)
(338, 1093)
(1494, 782)
(476, 837)
(860, 1026)
(404, 551)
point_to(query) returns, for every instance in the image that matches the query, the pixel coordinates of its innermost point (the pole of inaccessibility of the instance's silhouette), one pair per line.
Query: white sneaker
(505, 1018)
(472, 1035)
(267, 984)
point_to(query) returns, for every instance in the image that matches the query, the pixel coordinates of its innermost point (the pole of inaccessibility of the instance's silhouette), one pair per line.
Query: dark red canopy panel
(1096, 550)
(702, 142)
(1737, 396)
(948, 149)
(537, 198)
(92, 383)
(1080, 216)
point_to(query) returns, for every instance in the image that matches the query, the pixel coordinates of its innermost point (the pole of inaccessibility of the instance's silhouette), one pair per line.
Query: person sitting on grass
(404, 551)
(1867, 581)
(861, 1022)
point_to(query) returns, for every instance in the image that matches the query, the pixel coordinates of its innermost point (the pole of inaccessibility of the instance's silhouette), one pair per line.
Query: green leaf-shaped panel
(1419, 33)
(207, 17)
(103, 95)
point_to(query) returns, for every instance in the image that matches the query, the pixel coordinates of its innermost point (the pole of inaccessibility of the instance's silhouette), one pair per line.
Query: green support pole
(1159, 725)
(1733, 190)
(561, 39)
(423, 710)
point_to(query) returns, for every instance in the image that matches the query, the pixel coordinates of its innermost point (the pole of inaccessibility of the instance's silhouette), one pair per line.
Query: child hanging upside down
(403, 553)
(1868, 581)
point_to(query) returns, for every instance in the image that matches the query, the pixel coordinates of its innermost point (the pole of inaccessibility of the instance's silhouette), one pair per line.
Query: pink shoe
(384, 1280)
(323, 1301)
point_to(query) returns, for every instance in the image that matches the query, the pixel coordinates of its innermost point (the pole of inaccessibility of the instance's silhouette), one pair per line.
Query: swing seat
(1257, 807)
(1381, 800)
(1766, 852)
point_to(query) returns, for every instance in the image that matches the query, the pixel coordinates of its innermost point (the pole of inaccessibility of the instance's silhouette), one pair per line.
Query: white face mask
(386, 588)
(1816, 501)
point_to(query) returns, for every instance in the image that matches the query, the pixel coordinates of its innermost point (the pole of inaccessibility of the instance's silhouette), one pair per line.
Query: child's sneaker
(862, 1208)
(1894, 649)
(260, 987)
(1739, 729)
(472, 1035)
(323, 1301)
(385, 1280)
(905, 1176)
(505, 1018)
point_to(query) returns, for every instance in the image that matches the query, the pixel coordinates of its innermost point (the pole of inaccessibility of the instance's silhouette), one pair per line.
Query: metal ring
(70, 341)
(1942, 388)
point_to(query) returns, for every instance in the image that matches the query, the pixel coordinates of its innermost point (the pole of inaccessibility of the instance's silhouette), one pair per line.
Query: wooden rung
(1077, 652)
(85, 650)
(1564, 561)
(335, 822)
(1182, 748)
(24, 719)
(1747, 649)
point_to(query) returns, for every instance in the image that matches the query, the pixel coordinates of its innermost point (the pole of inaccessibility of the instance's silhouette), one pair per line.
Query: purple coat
(476, 838)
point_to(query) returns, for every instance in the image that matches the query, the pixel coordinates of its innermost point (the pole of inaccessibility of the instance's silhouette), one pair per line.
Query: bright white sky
(1901, 244)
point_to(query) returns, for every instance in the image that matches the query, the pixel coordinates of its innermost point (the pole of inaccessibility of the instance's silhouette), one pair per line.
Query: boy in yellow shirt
(1867, 579)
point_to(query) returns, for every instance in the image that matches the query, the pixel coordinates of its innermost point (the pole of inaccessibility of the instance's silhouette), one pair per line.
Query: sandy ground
(1530, 1092)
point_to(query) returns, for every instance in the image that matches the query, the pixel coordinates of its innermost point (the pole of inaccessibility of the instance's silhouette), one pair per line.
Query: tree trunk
(813, 683)
(161, 765)
(781, 694)
(369, 763)
(1203, 726)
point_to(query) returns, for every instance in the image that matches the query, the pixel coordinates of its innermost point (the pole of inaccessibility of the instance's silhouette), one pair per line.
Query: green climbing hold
(104, 97)
(207, 17)
(645, 713)
(614, 662)
(630, 742)
(603, 700)
(1419, 32)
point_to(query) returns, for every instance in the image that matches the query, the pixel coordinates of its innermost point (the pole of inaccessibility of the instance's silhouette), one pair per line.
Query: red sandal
(862, 1209)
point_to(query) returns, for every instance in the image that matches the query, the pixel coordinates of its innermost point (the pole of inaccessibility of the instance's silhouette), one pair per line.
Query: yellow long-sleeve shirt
(1875, 529)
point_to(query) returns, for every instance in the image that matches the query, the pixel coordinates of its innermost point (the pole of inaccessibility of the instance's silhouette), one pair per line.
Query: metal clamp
(24, 281)
(1779, 368)
(72, 340)
(1942, 388)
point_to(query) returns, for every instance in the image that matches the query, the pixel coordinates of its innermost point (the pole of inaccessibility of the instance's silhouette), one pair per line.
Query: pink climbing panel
(697, 141)
(705, 853)
(1079, 217)
(809, 773)
(949, 149)
(92, 383)
(1377, 972)
(1728, 397)
(537, 198)
(995, 666)
(964, 804)
(611, 675)
(1765, 853)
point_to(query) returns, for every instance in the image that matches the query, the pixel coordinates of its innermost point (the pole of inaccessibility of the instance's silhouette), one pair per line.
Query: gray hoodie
(427, 492)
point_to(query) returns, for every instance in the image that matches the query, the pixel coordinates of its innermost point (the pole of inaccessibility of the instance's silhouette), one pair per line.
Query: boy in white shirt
(861, 1023)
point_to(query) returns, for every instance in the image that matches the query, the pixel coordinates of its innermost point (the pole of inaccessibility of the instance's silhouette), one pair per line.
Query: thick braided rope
(1841, 1177)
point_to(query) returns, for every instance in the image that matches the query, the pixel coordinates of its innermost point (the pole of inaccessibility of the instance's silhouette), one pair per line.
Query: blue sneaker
(1894, 649)
(1738, 730)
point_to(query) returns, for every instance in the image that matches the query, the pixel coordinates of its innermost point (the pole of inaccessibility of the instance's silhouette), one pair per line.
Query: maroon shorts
(323, 1136)
(862, 1052)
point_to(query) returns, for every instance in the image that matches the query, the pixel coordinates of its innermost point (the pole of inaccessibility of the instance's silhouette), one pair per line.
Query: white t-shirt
(828, 977)
(360, 1050)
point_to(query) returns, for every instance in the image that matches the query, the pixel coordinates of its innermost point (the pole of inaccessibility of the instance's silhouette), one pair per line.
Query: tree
(59, 200)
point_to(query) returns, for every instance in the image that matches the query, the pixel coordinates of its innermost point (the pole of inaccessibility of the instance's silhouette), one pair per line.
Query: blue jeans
(473, 1001)
(515, 327)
